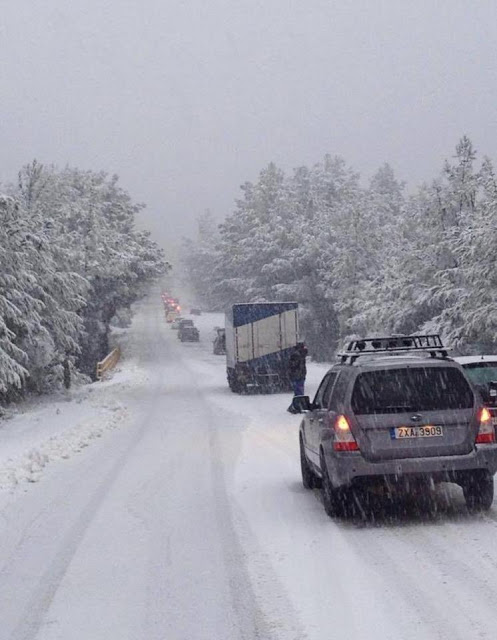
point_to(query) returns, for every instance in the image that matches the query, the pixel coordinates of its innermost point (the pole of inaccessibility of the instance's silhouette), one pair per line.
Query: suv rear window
(411, 389)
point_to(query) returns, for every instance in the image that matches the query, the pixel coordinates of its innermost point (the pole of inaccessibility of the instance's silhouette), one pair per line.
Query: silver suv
(396, 413)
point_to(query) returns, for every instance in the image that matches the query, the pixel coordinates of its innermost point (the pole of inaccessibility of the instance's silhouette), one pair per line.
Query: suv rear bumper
(343, 468)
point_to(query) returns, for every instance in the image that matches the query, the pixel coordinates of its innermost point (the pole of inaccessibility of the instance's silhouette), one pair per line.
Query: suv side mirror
(301, 404)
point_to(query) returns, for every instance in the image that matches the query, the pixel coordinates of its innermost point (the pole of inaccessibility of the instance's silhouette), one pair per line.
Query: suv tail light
(486, 431)
(344, 439)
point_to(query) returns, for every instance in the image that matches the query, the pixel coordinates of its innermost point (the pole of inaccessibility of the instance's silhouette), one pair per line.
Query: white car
(482, 371)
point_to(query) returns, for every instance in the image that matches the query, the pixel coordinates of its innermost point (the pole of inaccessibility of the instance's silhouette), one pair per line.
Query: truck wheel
(233, 383)
(478, 489)
(309, 478)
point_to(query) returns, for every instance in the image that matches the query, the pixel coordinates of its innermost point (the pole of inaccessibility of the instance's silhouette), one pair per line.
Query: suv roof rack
(431, 343)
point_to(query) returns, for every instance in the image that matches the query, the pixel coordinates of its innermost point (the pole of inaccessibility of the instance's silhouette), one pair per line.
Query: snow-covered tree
(199, 258)
(246, 239)
(19, 312)
(365, 260)
(70, 257)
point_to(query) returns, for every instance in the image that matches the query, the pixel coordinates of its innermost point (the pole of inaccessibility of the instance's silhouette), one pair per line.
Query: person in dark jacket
(297, 370)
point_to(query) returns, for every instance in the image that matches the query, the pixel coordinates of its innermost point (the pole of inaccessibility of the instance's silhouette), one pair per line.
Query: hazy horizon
(186, 101)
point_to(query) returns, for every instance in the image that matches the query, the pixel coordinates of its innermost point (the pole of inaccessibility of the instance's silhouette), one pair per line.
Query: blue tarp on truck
(259, 340)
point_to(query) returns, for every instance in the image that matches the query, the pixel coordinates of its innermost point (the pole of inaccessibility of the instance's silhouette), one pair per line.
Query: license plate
(428, 431)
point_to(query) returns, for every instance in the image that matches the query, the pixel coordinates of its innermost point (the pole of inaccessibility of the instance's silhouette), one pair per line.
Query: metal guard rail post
(109, 362)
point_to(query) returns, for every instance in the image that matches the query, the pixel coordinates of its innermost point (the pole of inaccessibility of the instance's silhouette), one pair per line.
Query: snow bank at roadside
(63, 433)
(45, 430)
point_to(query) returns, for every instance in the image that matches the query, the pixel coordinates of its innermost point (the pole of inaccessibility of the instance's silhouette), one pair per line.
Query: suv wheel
(331, 497)
(478, 489)
(309, 478)
(337, 502)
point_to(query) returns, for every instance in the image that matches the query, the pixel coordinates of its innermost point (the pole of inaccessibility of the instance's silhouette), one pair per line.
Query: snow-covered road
(161, 506)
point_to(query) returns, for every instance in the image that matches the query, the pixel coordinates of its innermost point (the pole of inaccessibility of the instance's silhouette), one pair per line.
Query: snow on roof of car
(399, 359)
(473, 359)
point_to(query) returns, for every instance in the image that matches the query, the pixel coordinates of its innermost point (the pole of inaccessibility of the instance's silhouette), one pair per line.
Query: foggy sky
(186, 100)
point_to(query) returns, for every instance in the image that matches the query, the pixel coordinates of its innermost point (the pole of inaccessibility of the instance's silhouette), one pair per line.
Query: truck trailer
(260, 338)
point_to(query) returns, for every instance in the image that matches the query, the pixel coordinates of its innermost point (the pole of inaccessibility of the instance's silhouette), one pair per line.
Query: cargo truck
(260, 338)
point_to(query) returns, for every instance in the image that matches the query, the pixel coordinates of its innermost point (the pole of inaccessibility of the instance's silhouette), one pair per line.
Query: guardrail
(109, 362)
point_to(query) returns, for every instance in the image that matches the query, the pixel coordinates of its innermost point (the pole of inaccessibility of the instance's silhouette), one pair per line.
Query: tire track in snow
(255, 621)
(258, 622)
(44, 592)
(456, 557)
(437, 602)
(174, 563)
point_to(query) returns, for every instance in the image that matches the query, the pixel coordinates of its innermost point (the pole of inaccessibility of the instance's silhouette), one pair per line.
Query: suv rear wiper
(395, 409)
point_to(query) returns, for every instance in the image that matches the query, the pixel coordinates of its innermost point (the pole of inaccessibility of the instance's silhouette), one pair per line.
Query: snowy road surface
(159, 505)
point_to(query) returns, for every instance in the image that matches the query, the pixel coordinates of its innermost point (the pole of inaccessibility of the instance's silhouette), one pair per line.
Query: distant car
(189, 334)
(171, 315)
(176, 322)
(185, 323)
(219, 343)
(195, 312)
(396, 413)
